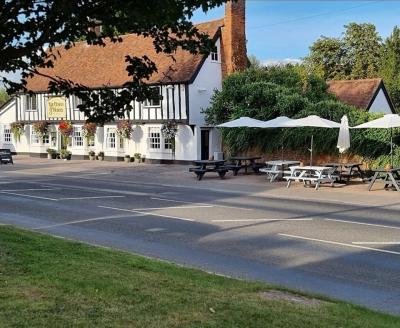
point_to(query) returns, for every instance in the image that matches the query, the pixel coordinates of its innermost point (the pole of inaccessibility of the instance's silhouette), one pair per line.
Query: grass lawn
(51, 282)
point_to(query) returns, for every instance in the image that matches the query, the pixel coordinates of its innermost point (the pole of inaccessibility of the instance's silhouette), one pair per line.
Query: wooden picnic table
(250, 159)
(348, 170)
(390, 177)
(311, 174)
(277, 169)
(6, 157)
(204, 166)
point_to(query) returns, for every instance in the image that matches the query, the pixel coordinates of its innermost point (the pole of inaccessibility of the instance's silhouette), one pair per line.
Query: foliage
(17, 129)
(91, 153)
(283, 91)
(89, 130)
(4, 96)
(50, 151)
(169, 130)
(41, 128)
(390, 66)
(65, 154)
(30, 29)
(124, 129)
(137, 155)
(66, 129)
(356, 55)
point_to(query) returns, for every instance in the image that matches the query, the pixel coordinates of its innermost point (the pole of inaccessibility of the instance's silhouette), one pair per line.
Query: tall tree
(362, 48)
(355, 55)
(390, 66)
(30, 28)
(3, 96)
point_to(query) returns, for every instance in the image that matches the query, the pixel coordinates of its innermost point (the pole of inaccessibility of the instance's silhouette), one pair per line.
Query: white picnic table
(311, 174)
(277, 169)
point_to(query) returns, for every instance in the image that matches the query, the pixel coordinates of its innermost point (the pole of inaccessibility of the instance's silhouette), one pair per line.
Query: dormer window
(30, 103)
(156, 102)
(214, 56)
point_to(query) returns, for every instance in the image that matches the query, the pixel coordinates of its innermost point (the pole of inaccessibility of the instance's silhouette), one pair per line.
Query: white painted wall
(201, 90)
(380, 104)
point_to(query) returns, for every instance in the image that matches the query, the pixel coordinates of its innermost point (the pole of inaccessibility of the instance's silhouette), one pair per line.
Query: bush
(266, 93)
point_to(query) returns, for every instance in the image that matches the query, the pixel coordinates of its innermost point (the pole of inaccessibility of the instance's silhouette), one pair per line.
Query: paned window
(154, 138)
(167, 144)
(111, 138)
(214, 56)
(34, 137)
(77, 138)
(7, 135)
(30, 103)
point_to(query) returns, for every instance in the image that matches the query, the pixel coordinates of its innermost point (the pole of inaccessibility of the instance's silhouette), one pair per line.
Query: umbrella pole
(391, 147)
(311, 149)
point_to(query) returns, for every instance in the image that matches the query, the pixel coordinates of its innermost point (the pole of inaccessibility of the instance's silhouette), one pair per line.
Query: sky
(279, 30)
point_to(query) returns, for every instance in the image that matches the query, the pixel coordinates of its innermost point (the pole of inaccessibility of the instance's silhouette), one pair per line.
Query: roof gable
(97, 66)
(357, 93)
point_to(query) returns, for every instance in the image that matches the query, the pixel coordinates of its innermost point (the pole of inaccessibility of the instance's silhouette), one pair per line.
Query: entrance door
(205, 144)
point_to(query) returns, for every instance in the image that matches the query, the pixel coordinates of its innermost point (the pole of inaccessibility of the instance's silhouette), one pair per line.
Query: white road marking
(170, 207)
(87, 220)
(362, 223)
(260, 220)
(340, 244)
(155, 229)
(376, 242)
(89, 197)
(148, 213)
(215, 205)
(28, 196)
(31, 189)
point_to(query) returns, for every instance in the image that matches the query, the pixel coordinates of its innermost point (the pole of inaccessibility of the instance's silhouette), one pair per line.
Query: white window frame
(154, 139)
(34, 139)
(77, 137)
(150, 102)
(214, 56)
(167, 144)
(111, 138)
(7, 136)
(31, 103)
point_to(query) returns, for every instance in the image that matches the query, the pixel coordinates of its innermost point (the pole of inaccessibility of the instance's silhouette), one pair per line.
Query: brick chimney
(233, 41)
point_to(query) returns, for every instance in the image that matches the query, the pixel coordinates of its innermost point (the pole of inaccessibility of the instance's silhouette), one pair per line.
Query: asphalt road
(344, 251)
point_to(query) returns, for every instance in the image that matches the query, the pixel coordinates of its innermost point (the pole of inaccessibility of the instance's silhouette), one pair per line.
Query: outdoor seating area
(293, 170)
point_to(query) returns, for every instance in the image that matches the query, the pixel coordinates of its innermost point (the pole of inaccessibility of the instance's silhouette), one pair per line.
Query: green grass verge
(51, 282)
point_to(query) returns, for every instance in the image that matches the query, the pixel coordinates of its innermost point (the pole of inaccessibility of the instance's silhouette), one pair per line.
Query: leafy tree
(390, 66)
(356, 55)
(29, 29)
(254, 62)
(3, 96)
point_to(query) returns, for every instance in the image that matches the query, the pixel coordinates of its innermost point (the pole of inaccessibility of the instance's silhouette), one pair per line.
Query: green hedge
(271, 92)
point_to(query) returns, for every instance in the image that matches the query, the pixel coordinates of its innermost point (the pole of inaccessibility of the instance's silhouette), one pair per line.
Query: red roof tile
(97, 66)
(357, 93)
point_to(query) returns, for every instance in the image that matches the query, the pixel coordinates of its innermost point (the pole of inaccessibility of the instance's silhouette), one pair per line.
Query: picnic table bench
(6, 157)
(311, 175)
(248, 161)
(348, 171)
(278, 169)
(390, 177)
(204, 166)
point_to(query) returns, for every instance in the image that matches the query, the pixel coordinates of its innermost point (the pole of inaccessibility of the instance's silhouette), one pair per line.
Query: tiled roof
(97, 66)
(357, 93)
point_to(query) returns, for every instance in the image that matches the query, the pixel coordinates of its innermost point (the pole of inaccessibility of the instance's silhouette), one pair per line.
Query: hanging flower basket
(41, 128)
(17, 130)
(169, 131)
(89, 131)
(65, 128)
(124, 129)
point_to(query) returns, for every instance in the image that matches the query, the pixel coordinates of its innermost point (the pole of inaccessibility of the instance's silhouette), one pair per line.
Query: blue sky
(285, 29)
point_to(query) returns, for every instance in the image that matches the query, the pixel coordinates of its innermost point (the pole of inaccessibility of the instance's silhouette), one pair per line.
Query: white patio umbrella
(315, 122)
(344, 135)
(242, 122)
(388, 121)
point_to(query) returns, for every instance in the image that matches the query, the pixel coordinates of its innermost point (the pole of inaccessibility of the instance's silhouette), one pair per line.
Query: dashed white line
(171, 207)
(89, 197)
(88, 220)
(215, 205)
(260, 220)
(339, 243)
(366, 224)
(28, 196)
(148, 213)
(30, 189)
